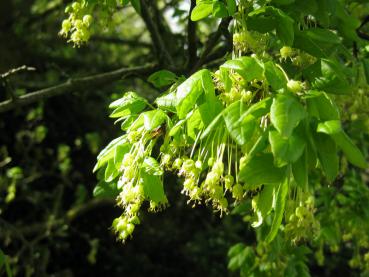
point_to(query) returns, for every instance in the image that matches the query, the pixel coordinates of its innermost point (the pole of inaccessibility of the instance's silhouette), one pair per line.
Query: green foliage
(264, 127)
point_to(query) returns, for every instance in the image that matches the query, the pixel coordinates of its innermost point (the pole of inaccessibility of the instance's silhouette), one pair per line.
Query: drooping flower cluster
(78, 23)
(302, 225)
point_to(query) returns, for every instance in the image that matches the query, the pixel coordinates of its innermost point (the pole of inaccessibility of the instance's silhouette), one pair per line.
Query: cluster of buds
(77, 25)
(236, 94)
(125, 225)
(190, 170)
(213, 186)
(302, 224)
(246, 41)
(297, 57)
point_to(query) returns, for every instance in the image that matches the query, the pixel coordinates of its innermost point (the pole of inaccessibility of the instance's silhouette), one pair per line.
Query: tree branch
(360, 33)
(212, 42)
(191, 38)
(16, 70)
(158, 43)
(76, 84)
(115, 40)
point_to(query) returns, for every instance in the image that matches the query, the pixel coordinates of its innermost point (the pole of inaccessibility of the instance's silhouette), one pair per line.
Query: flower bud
(87, 20)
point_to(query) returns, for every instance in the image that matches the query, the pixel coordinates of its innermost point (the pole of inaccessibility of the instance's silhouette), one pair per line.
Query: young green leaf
(332, 79)
(286, 150)
(274, 76)
(329, 127)
(261, 170)
(262, 204)
(321, 106)
(285, 30)
(286, 113)
(300, 171)
(153, 187)
(162, 78)
(153, 119)
(111, 171)
(350, 150)
(239, 131)
(248, 67)
(232, 7)
(202, 10)
(188, 92)
(278, 210)
(220, 10)
(327, 153)
(151, 166)
(136, 5)
(167, 101)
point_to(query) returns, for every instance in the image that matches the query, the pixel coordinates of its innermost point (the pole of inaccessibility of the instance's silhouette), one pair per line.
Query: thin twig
(16, 70)
(212, 42)
(157, 40)
(76, 84)
(191, 38)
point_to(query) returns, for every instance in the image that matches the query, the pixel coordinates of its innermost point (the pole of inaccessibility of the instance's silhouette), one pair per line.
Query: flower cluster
(302, 225)
(246, 41)
(77, 25)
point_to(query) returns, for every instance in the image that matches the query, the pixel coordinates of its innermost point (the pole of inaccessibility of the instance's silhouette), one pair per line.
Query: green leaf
(232, 7)
(257, 110)
(327, 154)
(188, 92)
(268, 18)
(175, 129)
(194, 124)
(262, 20)
(128, 122)
(286, 150)
(274, 76)
(136, 5)
(215, 123)
(283, 2)
(151, 166)
(321, 106)
(239, 131)
(236, 249)
(4, 262)
(261, 170)
(153, 119)
(167, 101)
(105, 190)
(119, 153)
(162, 78)
(111, 172)
(202, 10)
(286, 113)
(285, 28)
(351, 151)
(300, 171)
(226, 80)
(280, 204)
(248, 67)
(329, 127)
(220, 10)
(317, 42)
(211, 105)
(332, 79)
(153, 187)
(262, 204)
(366, 69)
(127, 99)
(130, 103)
(108, 152)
